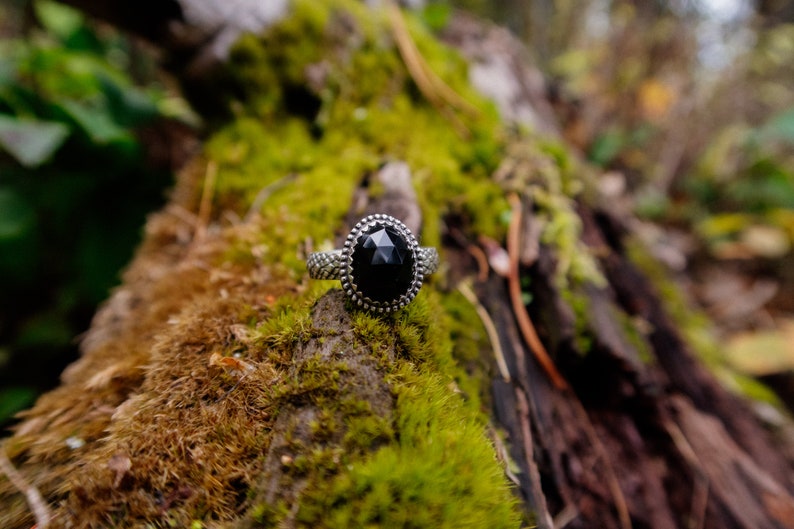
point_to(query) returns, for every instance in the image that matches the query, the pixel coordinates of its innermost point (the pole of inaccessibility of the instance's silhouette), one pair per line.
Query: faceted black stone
(383, 264)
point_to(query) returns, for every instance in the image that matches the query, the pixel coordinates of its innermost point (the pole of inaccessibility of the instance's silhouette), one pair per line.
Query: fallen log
(538, 379)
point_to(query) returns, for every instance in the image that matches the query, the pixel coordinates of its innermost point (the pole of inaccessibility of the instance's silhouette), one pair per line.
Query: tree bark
(220, 387)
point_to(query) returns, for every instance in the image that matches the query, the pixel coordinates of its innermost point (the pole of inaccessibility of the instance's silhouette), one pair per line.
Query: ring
(381, 265)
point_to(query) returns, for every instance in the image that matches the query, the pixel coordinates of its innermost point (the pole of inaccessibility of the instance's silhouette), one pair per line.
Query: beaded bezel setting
(399, 287)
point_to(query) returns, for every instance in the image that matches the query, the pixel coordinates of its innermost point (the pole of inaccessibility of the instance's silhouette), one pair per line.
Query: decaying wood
(668, 480)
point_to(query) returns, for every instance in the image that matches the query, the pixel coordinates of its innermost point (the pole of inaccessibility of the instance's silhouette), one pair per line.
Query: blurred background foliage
(686, 106)
(79, 103)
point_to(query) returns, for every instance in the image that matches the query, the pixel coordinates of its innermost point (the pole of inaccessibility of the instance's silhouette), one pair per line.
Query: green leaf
(58, 19)
(779, 128)
(29, 141)
(44, 330)
(16, 215)
(129, 106)
(436, 15)
(606, 147)
(14, 399)
(97, 122)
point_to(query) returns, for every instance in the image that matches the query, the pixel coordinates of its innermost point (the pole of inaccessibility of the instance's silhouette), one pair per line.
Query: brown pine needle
(490, 329)
(35, 501)
(431, 85)
(514, 285)
(482, 261)
(205, 206)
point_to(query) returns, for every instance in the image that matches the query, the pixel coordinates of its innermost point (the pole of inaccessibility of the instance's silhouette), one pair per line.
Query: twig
(700, 487)
(535, 490)
(265, 193)
(503, 455)
(522, 317)
(482, 261)
(35, 501)
(438, 87)
(205, 206)
(612, 480)
(565, 516)
(431, 86)
(490, 329)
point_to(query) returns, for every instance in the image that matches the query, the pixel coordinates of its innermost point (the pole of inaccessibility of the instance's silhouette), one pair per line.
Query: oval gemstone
(383, 264)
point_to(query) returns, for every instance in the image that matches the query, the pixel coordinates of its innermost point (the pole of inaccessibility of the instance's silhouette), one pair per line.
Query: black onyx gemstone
(382, 264)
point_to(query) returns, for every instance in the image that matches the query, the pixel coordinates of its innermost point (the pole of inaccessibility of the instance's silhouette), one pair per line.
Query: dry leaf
(763, 353)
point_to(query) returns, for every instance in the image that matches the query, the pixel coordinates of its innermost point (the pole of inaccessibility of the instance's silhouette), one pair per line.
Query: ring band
(381, 265)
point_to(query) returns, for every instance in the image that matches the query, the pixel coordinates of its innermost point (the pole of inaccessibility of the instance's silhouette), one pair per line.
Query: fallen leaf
(764, 352)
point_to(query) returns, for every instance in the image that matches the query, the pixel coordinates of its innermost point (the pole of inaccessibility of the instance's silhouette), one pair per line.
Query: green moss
(269, 515)
(315, 378)
(635, 331)
(441, 473)
(430, 464)
(433, 465)
(369, 329)
(368, 112)
(427, 464)
(364, 432)
(580, 305)
(283, 330)
(472, 352)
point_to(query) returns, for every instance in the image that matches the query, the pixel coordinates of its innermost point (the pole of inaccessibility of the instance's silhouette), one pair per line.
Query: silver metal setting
(338, 264)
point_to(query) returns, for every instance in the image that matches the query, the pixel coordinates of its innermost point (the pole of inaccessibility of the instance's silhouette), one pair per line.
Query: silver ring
(381, 265)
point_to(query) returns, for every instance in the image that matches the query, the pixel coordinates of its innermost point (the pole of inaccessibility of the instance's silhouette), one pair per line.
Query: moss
(287, 167)
(552, 181)
(429, 455)
(314, 378)
(269, 515)
(367, 431)
(441, 454)
(428, 464)
(635, 331)
(278, 334)
(369, 329)
(472, 352)
(580, 305)
(369, 112)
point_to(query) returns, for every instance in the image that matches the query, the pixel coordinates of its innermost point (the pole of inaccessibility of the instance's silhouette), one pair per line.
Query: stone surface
(382, 264)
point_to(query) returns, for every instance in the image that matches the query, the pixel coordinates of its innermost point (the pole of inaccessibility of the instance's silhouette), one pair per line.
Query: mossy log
(540, 378)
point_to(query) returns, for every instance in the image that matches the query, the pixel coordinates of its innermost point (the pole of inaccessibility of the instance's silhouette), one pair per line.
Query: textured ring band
(381, 265)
